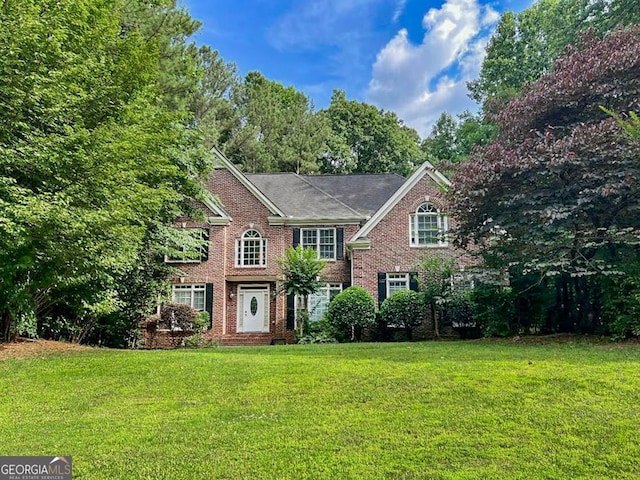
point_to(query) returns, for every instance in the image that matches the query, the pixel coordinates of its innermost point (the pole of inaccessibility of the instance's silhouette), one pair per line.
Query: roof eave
(247, 183)
(425, 169)
(315, 221)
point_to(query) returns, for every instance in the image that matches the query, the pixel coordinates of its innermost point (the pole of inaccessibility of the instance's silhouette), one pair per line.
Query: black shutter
(382, 287)
(339, 243)
(205, 247)
(413, 281)
(345, 285)
(291, 312)
(296, 237)
(208, 302)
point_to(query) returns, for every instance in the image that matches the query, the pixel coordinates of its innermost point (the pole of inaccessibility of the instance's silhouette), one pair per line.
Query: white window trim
(240, 246)
(317, 245)
(389, 279)
(443, 226)
(192, 288)
(327, 288)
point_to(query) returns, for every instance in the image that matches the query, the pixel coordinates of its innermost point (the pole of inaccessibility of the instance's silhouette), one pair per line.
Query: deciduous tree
(557, 192)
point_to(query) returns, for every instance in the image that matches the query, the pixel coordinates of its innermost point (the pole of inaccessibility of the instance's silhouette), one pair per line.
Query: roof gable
(222, 161)
(426, 169)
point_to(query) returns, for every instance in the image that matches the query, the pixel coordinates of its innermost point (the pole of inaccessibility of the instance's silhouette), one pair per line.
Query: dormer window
(428, 227)
(251, 250)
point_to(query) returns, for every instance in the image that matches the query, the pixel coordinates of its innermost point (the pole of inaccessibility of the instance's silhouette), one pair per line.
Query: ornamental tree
(557, 192)
(559, 186)
(300, 268)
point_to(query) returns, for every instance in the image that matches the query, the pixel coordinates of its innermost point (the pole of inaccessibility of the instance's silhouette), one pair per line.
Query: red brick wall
(390, 240)
(247, 212)
(390, 251)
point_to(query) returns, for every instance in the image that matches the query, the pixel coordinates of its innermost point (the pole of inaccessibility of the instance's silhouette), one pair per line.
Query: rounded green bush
(404, 309)
(351, 310)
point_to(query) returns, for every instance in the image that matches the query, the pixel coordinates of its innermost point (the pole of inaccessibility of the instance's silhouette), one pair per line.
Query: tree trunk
(6, 324)
(302, 315)
(436, 320)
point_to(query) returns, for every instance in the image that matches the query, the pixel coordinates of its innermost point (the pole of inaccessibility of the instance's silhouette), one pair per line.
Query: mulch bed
(23, 348)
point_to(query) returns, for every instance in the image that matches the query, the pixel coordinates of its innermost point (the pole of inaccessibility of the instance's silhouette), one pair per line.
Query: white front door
(253, 314)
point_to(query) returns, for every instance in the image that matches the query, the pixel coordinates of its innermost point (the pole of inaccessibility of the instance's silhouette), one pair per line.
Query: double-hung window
(322, 240)
(251, 250)
(319, 301)
(428, 226)
(397, 282)
(192, 295)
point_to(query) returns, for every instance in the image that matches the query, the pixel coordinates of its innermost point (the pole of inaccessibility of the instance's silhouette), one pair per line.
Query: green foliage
(526, 45)
(458, 313)
(405, 309)
(492, 309)
(92, 160)
(368, 140)
(451, 141)
(300, 268)
(27, 325)
(554, 195)
(621, 299)
(280, 131)
(434, 281)
(350, 311)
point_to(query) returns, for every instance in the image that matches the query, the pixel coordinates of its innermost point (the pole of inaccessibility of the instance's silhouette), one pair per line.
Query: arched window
(428, 226)
(251, 250)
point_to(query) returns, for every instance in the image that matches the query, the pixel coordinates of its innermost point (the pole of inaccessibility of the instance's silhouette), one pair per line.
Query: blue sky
(409, 56)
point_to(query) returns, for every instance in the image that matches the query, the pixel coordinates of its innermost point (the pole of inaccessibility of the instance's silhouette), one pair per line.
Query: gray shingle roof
(363, 193)
(327, 196)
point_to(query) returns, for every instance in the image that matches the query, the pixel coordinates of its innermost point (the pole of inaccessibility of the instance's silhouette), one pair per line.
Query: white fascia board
(314, 221)
(425, 169)
(245, 181)
(219, 220)
(361, 244)
(212, 204)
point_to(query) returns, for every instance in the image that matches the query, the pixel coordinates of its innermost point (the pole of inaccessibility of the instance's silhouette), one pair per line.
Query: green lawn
(451, 410)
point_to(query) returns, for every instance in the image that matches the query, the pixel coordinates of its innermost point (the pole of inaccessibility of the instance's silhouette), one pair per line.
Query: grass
(451, 410)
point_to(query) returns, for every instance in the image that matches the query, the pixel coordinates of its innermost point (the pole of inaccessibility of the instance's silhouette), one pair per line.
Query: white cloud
(399, 10)
(311, 25)
(419, 82)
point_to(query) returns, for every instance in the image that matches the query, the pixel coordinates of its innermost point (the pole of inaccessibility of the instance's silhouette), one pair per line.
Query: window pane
(318, 303)
(310, 239)
(182, 297)
(327, 243)
(397, 282)
(192, 295)
(251, 249)
(198, 300)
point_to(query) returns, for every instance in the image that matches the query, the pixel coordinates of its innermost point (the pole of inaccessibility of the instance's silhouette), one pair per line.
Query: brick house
(371, 229)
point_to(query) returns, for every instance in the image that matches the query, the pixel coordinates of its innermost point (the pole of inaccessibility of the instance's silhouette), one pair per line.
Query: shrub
(318, 332)
(404, 309)
(350, 311)
(176, 316)
(621, 305)
(458, 313)
(492, 309)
